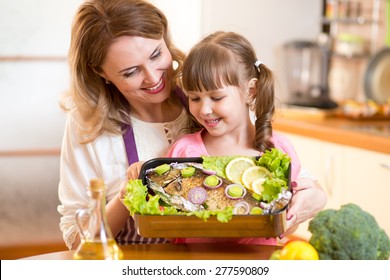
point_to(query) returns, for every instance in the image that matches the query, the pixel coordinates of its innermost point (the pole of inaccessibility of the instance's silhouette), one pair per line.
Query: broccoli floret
(349, 233)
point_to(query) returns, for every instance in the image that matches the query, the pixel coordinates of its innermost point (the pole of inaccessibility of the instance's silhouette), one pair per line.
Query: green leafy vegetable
(271, 188)
(349, 233)
(223, 216)
(138, 201)
(278, 164)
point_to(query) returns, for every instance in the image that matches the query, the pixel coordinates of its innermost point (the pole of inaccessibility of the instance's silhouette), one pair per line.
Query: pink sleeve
(177, 149)
(190, 145)
(283, 143)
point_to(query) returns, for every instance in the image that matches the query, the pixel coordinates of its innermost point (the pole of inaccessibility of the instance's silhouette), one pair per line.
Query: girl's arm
(308, 199)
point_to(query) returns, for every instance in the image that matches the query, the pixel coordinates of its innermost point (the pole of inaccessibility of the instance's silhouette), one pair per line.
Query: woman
(122, 81)
(124, 106)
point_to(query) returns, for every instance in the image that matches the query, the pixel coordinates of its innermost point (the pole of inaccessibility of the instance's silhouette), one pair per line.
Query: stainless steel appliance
(307, 66)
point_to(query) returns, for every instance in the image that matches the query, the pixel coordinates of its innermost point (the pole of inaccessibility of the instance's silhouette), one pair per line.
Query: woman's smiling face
(140, 68)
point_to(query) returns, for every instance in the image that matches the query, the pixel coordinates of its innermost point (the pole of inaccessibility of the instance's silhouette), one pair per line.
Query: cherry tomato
(298, 250)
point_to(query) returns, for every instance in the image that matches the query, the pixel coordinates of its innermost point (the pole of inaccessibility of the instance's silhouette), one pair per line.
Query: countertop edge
(333, 130)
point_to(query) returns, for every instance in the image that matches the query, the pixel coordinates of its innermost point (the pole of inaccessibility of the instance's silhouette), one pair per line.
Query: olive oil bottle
(97, 241)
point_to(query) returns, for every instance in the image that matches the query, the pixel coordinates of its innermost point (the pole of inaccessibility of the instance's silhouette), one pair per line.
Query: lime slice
(161, 169)
(236, 167)
(256, 211)
(235, 191)
(212, 182)
(188, 171)
(254, 173)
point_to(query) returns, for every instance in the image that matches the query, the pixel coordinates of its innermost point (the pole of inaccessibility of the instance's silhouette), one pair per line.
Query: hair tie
(257, 64)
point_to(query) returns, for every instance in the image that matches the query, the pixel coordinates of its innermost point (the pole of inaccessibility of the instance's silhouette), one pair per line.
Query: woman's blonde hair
(228, 59)
(96, 25)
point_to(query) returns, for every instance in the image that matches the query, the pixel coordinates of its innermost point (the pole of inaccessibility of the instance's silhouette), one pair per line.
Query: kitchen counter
(346, 157)
(214, 251)
(372, 135)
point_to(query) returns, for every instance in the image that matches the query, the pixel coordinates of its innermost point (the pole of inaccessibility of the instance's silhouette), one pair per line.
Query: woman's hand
(116, 211)
(134, 169)
(308, 199)
(132, 174)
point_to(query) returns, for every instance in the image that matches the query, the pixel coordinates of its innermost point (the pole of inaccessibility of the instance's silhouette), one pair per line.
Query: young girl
(224, 81)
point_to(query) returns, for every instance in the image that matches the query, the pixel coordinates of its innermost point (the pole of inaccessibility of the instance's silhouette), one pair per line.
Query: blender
(307, 67)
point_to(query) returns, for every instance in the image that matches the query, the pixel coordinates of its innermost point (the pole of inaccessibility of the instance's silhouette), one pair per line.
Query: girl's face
(221, 111)
(140, 68)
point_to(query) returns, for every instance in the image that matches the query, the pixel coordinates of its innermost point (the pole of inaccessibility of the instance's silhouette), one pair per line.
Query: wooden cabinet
(367, 183)
(323, 161)
(348, 175)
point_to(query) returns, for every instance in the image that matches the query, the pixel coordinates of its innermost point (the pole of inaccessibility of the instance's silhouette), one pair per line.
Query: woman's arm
(116, 211)
(79, 164)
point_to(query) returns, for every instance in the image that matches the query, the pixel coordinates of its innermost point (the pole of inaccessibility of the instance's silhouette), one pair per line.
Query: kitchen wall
(34, 38)
(268, 25)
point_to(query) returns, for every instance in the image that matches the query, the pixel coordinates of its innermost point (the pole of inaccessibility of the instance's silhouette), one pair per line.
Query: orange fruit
(298, 250)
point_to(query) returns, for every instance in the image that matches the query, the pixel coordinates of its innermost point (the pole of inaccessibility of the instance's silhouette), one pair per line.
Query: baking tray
(172, 226)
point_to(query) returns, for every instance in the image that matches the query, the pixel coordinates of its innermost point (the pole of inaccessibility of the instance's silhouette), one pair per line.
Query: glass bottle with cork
(97, 241)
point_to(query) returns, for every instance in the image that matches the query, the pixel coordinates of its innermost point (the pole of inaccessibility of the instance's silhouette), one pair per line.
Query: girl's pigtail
(264, 107)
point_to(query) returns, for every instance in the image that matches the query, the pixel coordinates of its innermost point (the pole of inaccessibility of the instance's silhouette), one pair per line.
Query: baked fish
(189, 187)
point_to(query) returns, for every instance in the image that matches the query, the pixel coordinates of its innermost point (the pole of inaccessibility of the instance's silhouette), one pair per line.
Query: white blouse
(106, 158)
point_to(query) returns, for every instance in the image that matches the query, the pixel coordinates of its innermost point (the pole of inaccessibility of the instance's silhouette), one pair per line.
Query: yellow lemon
(236, 167)
(254, 173)
(257, 185)
(298, 250)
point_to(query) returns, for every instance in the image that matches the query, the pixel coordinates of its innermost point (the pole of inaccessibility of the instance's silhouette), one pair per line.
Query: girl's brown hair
(96, 25)
(228, 59)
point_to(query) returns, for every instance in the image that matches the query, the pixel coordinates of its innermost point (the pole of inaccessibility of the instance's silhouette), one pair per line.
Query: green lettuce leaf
(272, 188)
(138, 201)
(223, 216)
(218, 163)
(276, 162)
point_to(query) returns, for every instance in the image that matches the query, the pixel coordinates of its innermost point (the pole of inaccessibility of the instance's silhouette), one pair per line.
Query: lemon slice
(254, 173)
(257, 185)
(236, 167)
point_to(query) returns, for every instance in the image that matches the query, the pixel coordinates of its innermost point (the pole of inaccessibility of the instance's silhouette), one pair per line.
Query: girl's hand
(308, 199)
